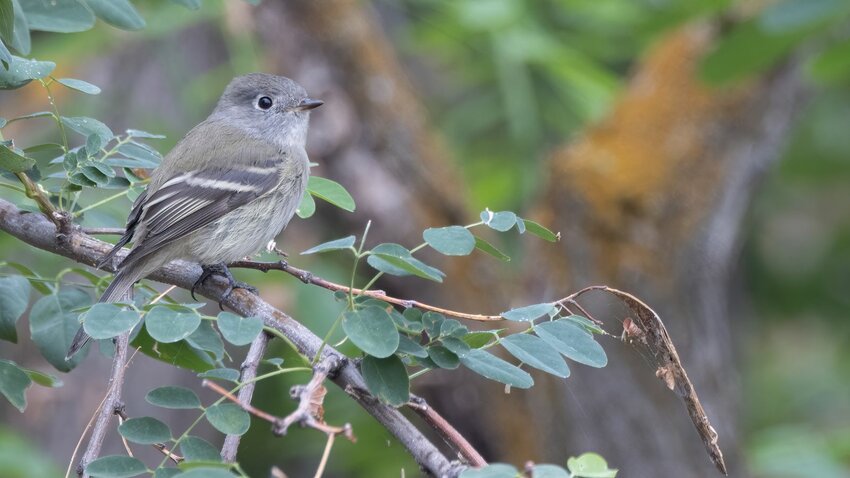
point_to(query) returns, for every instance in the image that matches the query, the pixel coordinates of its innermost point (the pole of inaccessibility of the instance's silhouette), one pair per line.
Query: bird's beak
(308, 104)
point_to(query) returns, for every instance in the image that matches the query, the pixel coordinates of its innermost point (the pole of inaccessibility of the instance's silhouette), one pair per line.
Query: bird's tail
(120, 290)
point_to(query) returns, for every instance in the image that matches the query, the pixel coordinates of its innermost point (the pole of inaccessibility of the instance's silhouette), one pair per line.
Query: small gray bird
(224, 191)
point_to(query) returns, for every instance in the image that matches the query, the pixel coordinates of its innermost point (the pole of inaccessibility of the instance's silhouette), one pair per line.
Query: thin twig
(325, 455)
(446, 431)
(303, 414)
(249, 372)
(109, 405)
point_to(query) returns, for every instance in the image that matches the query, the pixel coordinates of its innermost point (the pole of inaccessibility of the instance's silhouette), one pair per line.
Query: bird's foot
(223, 271)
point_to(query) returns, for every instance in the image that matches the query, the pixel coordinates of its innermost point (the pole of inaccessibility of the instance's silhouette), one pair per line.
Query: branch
(110, 405)
(446, 431)
(36, 230)
(309, 398)
(249, 372)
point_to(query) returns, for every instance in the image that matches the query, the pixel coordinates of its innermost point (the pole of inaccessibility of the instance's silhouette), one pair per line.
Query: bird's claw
(223, 271)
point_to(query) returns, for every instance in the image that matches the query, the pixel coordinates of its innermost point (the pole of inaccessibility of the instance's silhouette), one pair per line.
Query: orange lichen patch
(646, 174)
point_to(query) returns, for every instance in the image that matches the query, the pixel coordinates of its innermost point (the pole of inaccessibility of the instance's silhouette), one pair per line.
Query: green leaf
(443, 357)
(93, 144)
(590, 465)
(433, 323)
(335, 245)
(331, 192)
(238, 330)
(494, 470)
(529, 313)
(206, 338)
(37, 283)
(540, 231)
(13, 161)
(408, 346)
(573, 341)
(387, 379)
(7, 20)
(14, 298)
(104, 321)
(490, 249)
(198, 449)
(167, 326)
(307, 206)
(226, 374)
(549, 471)
(456, 345)
(477, 340)
(86, 126)
(166, 472)
(5, 57)
(190, 4)
(501, 221)
(396, 260)
(145, 155)
(116, 466)
(372, 330)
(137, 133)
(60, 16)
(118, 13)
(145, 430)
(53, 324)
(14, 383)
(179, 354)
(80, 85)
(537, 353)
(21, 36)
(229, 418)
(173, 397)
(206, 472)
(451, 240)
(494, 368)
(43, 379)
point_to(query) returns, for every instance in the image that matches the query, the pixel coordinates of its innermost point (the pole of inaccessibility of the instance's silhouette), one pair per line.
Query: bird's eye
(264, 103)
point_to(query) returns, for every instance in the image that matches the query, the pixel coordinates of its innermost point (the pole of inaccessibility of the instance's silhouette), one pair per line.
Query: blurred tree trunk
(650, 201)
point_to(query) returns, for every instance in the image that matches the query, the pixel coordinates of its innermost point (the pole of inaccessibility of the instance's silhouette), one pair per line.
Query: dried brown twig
(309, 396)
(447, 432)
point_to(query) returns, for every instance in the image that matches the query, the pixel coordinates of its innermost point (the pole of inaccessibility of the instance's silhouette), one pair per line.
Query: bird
(225, 190)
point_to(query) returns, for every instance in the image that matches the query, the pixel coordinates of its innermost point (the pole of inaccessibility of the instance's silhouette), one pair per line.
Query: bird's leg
(221, 269)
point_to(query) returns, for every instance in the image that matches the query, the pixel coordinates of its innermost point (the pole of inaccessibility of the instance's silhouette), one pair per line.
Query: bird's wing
(191, 200)
(129, 229)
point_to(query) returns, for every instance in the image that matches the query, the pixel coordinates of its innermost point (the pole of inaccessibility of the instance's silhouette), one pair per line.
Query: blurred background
(694, 153)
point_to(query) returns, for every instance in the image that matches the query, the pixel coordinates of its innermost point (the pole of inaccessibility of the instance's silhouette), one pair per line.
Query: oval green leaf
(529, 313)
(104, 321)
(494, 368)
(335, 245)
(53, 324)
(167, 326)
(239, 330)
(537, 353)
(495, 470)
(198, 449)
(145, 430)
(173, 397)
(387, 379)
(14, 383)
(451, 240)
(372, 330)
(14, 298)
(229, 418)
(573, 341)
(116, 466)
(80, 85)
(332, 192)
